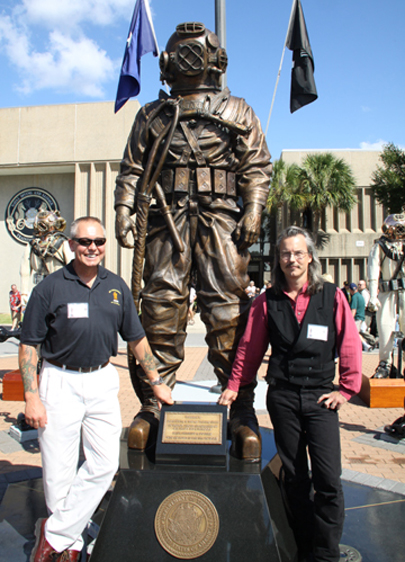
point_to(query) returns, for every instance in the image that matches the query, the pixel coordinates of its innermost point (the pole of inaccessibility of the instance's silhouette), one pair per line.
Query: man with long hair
(307, 322)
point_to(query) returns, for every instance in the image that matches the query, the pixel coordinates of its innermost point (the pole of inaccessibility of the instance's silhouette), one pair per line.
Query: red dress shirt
(255, 342)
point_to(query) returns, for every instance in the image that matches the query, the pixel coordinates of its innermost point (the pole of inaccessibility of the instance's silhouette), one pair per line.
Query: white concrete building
(350, 235)
(71, 152)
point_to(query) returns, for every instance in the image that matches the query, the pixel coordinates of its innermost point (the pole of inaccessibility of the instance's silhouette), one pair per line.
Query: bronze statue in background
(47, 252)
(386, 279)
(192, 159)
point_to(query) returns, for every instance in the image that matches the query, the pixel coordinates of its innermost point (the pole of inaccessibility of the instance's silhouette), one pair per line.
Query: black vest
(295, 357)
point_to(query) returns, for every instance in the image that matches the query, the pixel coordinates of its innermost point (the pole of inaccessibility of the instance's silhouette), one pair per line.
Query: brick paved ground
(356, 421)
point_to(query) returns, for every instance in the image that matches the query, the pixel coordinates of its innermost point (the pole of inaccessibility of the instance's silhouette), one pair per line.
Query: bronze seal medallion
(186, 524)
(22, 210)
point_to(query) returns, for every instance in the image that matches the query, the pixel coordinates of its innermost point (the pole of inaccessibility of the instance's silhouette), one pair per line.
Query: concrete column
(82, 188)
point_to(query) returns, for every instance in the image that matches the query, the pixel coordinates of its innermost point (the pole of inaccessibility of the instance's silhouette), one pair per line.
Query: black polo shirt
(78, 325)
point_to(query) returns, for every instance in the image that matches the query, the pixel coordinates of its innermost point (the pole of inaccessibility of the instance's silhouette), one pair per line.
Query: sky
(70, 51)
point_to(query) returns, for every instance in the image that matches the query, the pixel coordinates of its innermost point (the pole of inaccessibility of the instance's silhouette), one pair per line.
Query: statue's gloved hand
(373, 304)
(248, 228)
(123, 225)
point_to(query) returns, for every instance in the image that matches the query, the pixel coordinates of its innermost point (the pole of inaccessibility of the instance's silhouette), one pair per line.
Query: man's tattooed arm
(28, 359)
(146, 360)
(35, 412)
(143, 353)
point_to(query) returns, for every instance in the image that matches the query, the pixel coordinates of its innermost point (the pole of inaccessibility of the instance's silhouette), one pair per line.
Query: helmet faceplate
(48, 221)
(394, 227)
(193, 59)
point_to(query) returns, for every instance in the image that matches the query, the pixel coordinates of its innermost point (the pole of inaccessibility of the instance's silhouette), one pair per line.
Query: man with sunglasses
(307, 321)
(75, 315)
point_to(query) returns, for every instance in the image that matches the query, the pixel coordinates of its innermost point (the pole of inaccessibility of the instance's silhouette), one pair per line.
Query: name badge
(78, 310)
(317, 332)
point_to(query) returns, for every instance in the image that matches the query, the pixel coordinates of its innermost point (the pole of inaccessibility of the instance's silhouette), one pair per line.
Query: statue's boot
(397, 428)
(383, 371)
(5, 333)
(246, 441)
(142, 432)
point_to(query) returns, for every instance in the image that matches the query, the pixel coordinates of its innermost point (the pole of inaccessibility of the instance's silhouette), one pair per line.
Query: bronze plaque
(186, 524)
(192, 428)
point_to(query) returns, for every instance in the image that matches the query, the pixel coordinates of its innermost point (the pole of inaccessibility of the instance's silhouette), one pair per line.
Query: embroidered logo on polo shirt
(115, 293)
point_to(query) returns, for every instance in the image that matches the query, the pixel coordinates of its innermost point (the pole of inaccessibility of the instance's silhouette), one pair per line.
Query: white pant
(386, 321)
(78, 405)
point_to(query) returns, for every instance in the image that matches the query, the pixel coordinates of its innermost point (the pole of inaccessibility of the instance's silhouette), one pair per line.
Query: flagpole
(220, 29)
(280, 67)
(154, 35)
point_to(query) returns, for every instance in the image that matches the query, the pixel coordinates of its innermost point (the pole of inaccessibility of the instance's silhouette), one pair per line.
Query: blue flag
(141, 40)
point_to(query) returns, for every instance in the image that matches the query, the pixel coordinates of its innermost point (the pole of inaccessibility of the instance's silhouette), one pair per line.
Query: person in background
(193, 303)
(15, 307)
(364, 292)
(359, 313)
(266, 286)
(251, 290)
(345, 290)
(306, 320)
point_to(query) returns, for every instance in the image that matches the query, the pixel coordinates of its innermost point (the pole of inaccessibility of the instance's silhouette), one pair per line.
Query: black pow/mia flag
(303, 89)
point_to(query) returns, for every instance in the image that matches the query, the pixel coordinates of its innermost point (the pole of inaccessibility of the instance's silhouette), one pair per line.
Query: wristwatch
(156, 382)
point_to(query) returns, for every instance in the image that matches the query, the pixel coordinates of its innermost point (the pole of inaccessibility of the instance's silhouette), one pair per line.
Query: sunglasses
(89, 241)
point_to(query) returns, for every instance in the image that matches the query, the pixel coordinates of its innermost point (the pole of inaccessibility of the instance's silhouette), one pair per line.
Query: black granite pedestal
(165, 513)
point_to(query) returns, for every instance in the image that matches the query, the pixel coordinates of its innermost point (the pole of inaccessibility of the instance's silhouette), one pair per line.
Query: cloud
(51, 44)
(75, 65)
(70, 13)
(378, 145)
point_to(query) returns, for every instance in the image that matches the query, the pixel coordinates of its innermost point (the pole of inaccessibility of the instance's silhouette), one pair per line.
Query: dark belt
(78, 369)
(392, 285)
(311, 385)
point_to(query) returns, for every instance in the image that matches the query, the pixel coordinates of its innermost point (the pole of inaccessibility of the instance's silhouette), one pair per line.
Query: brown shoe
(42, 551)
(69, 556)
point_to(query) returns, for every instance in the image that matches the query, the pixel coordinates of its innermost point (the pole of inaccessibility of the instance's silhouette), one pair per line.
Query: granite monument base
(211, 514)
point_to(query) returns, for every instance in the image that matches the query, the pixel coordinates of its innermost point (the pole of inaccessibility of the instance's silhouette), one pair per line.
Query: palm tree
(324, 180)
(321, 181)
(283, 189)
(283, 183)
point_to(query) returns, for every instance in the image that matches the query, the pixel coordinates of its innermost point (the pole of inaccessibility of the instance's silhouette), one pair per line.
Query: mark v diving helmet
(193, 59)
(394, 227)
(48, 221)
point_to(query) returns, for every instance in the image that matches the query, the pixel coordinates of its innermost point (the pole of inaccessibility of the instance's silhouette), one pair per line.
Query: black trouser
(317, 520)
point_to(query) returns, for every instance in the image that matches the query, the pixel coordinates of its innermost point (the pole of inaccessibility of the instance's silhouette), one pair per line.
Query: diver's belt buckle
(210, 181)
(203, 176)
